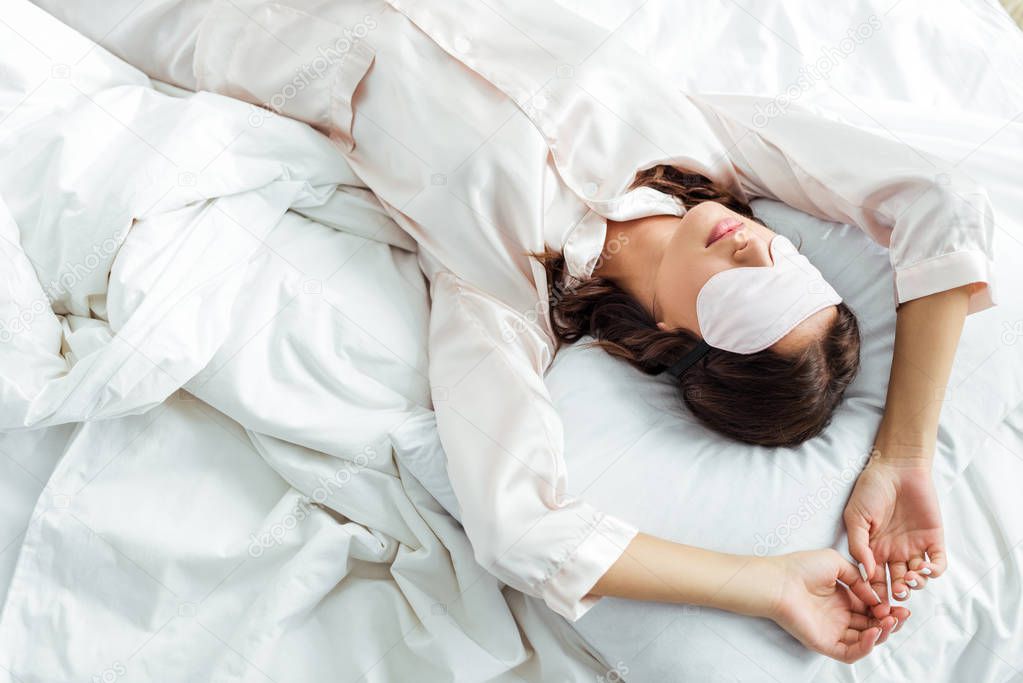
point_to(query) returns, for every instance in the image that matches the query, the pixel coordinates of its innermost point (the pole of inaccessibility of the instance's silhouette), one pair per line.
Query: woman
(485, 148)
(778, 396)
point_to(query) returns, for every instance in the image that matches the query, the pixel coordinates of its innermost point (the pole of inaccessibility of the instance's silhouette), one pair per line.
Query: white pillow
(633, 450)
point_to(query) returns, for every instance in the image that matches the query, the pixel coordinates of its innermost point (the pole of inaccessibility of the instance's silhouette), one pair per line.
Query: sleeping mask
(747, 309)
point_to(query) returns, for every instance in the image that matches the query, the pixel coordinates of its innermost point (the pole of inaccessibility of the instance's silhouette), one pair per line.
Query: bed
(217, 444)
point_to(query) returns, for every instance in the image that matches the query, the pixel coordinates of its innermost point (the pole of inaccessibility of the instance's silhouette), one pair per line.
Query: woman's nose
(749, 253)
(742, 241)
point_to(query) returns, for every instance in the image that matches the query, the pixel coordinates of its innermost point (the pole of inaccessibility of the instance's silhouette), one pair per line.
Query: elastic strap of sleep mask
(695, 354)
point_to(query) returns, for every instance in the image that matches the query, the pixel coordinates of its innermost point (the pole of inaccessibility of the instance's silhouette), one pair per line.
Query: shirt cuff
(584, 244)
(567, 590)
(945, 272)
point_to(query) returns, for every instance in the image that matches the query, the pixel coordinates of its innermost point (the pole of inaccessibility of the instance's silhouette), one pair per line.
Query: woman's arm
(649, 569)
(799, 591)
(892, 515)
(937, 224)
(926, 336)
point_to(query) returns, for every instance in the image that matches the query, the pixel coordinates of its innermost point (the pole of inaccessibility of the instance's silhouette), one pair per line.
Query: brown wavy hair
(764, 398)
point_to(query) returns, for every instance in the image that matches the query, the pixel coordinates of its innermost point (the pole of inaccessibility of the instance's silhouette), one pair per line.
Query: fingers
(887, 625)
(851, 577)
(902, 614)
(860, 621)
(863, 633)
(938, 561)
(852, 636)
(861, 648)
(872, 619)
(929, 568)
(848, 573)
(921, 569)
(916, 576)
(879, 588)
(897, 570)
(859, 543)
(915, 581)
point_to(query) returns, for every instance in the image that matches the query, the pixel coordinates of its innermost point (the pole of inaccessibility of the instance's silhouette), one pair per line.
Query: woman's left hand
(893, 518)
(823, 614)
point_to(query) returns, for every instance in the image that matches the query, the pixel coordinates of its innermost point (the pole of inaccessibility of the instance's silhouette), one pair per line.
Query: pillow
(633, 450)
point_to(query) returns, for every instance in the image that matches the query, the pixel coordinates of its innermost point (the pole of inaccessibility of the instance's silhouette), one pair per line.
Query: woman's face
(711, 238)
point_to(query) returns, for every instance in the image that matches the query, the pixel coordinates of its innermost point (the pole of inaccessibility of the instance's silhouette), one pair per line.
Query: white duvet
(235, 335)
(243, 329)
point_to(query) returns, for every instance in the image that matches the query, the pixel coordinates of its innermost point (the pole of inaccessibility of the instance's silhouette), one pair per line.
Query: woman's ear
(663, 328)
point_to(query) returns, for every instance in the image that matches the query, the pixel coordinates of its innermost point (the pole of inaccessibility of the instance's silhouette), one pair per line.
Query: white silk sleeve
(504, 446)
(936, 222)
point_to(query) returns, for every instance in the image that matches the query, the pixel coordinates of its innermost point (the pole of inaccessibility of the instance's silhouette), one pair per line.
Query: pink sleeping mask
(747, 309)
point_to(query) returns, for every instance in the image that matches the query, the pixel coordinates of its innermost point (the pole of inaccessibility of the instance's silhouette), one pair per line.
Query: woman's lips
(724, 227)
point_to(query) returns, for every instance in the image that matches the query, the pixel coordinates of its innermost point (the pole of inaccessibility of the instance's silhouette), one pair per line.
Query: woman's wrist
(903, 447)
(656, 569)
(760, 584)
(752, 586)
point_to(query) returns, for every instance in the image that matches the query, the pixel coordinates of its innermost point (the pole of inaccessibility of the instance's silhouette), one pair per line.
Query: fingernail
(926, 571)
(902, 594)
(896, 624)
(911, 583)
(878, 636)
(863, 571)
(876, 596)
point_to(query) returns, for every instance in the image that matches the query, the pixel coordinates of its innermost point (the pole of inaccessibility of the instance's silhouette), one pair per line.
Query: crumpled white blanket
(211, 336)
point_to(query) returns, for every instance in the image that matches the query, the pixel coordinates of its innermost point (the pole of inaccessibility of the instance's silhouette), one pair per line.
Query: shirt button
(462, 45)
(590, 189)
(540, 102)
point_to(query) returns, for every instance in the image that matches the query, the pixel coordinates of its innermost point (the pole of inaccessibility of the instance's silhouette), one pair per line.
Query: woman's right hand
(811, 604)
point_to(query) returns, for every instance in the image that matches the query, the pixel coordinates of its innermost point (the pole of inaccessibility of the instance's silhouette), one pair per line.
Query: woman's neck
(632, 254)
